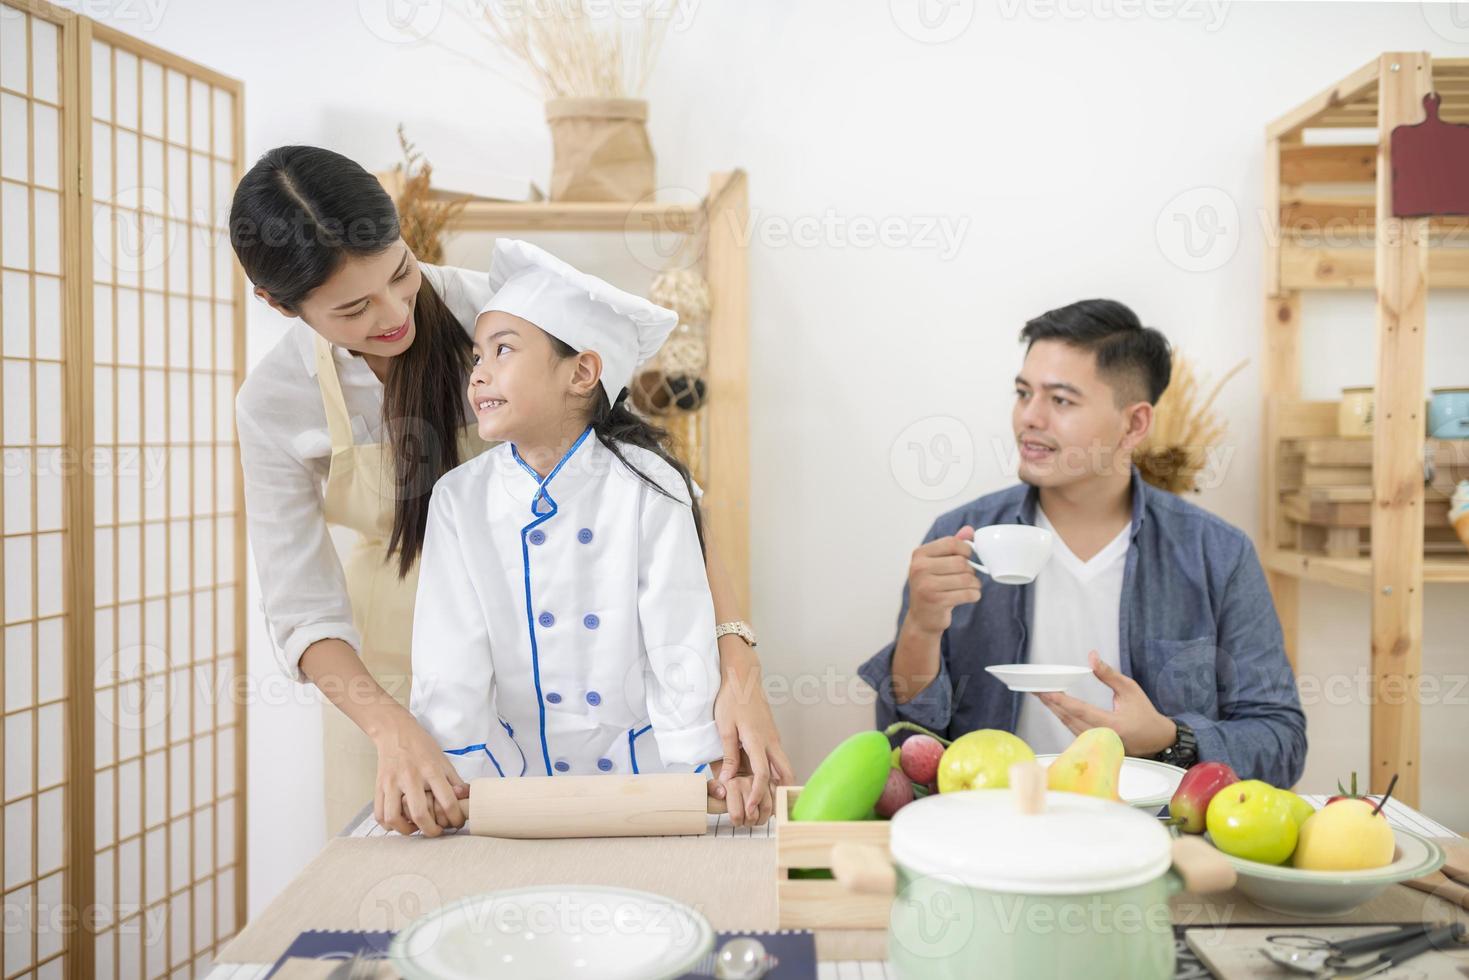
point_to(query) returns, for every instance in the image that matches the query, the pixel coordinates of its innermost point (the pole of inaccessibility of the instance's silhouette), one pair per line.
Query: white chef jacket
(285, 451)
(560, 622)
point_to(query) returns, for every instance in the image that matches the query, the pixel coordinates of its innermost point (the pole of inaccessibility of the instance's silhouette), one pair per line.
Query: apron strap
(338, 422)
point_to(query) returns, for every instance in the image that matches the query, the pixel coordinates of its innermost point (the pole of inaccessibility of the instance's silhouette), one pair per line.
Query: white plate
(1282, 888)
(1039, 678)
(556, 933)
(1143, 783)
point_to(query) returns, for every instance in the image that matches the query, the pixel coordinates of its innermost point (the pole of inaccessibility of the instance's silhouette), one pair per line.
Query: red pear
(1190, 801)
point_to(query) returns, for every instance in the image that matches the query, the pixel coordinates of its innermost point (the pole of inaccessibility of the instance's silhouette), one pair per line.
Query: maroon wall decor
(1430, 166)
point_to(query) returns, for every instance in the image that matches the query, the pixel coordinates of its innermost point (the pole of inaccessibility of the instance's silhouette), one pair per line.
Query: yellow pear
(1092, 765)
(1345, 836)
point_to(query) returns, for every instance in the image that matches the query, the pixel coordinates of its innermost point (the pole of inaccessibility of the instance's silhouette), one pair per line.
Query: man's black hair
(1135, 360)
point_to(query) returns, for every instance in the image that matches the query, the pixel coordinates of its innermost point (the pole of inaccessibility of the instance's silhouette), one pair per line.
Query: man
(1164, 602)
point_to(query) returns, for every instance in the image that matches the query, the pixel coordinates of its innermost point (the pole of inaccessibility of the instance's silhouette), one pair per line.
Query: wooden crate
(1325, 491)
(815, 903)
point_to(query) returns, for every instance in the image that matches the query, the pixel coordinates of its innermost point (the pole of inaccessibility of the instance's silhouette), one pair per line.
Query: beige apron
(360, 491)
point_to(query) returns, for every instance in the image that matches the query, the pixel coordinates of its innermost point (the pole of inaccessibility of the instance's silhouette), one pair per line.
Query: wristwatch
(739, 628)
(1184, 751)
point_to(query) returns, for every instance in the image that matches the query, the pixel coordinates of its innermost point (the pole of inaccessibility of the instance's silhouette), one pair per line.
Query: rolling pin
(540, 807)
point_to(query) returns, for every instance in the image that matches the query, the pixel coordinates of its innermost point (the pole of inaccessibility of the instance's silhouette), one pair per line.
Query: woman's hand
(417, 788)
(751, 741)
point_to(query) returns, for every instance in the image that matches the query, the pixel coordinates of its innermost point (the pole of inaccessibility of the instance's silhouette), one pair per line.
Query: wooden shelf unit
(726, 471)
(1324, 234)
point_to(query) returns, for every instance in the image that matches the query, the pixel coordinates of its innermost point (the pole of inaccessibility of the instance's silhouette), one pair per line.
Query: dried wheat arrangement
(1185, 428)
(572, 49)
(422, 218)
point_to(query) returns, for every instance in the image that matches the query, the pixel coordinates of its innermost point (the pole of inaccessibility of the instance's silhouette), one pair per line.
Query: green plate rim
(1301, 876)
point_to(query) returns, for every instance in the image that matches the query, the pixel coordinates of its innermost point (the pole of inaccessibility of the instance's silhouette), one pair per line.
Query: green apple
(1300, 810)
(981, 760)
(1253, 820)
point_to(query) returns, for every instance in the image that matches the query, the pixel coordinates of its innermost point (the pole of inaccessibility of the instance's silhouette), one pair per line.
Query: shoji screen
(122, 574)
(35, 250)
(163, 154)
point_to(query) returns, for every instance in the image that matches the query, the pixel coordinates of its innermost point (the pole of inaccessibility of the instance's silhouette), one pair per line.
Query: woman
(348, 421)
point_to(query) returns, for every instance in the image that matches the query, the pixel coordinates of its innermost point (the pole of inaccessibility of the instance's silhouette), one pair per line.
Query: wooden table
(370, 878)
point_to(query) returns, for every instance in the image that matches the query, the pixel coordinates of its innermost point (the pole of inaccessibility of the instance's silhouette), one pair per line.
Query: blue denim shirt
(1198, 633)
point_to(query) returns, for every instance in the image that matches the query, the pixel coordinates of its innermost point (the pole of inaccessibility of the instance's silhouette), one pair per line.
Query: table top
(743, 859)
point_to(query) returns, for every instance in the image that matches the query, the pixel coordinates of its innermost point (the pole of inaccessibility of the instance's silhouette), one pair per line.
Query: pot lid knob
(1028, 781)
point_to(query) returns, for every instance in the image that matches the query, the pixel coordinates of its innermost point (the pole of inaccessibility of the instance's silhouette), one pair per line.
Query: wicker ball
(684, 292)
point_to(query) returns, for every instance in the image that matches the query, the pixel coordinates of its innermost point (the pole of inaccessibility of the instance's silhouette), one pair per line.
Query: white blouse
(285, 451)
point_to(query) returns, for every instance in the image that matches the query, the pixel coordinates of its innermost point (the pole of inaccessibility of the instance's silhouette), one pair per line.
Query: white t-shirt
(1076, 611)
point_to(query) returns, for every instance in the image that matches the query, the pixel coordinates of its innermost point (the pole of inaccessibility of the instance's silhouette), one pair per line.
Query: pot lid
(1074, 845)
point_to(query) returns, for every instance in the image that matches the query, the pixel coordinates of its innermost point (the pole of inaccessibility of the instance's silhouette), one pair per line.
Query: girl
(564, 622)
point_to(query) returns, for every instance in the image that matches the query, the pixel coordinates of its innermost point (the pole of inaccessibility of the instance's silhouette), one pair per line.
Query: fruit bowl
(1281, 888)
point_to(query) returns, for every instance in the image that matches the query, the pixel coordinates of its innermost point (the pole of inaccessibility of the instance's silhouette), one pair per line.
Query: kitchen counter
(372, 879)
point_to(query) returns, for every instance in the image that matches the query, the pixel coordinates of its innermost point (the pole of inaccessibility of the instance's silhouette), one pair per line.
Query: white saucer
(1038, 678)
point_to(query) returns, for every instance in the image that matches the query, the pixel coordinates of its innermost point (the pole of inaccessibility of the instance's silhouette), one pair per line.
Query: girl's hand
(741, 800)
(417, 788)
(747, 729)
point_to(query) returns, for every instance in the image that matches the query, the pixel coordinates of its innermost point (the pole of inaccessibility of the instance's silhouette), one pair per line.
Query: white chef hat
(584, 311)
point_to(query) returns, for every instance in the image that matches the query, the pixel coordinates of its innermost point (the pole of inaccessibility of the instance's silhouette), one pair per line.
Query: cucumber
(849, 780)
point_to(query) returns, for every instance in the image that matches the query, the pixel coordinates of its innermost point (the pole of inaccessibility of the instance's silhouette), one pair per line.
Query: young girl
(564, 622)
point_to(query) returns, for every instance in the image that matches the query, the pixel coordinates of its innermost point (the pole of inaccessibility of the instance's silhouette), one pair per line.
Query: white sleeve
(302, 586)
(453, 677)
(676, 615)
(464, 291)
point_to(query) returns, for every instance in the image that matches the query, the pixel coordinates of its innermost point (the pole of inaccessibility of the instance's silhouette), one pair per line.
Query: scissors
(1323, 958)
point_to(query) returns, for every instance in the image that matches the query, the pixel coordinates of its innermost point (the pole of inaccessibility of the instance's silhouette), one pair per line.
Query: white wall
(1053, 137)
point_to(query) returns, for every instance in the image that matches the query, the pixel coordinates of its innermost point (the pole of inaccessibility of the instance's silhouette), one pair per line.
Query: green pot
(1071, 885)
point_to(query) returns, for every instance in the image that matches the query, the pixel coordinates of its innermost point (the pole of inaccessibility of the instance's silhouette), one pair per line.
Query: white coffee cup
(1012, 554)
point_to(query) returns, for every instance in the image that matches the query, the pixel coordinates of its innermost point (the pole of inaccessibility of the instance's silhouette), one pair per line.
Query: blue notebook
(793, 953)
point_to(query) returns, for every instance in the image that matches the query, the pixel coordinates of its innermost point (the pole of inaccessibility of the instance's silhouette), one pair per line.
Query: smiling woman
(349, 421)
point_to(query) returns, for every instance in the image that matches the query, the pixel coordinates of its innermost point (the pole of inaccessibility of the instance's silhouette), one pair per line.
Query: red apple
(897, 794)
(1190, 801)
(919, 758)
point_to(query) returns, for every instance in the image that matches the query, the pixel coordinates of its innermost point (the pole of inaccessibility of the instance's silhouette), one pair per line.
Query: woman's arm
(741, 712)
(405, 752)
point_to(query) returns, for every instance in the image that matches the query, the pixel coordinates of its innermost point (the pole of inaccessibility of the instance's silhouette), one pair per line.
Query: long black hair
(301, 212)
(615, 425)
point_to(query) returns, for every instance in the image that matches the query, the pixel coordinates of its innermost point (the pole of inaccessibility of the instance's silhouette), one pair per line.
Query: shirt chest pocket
(1184, 675)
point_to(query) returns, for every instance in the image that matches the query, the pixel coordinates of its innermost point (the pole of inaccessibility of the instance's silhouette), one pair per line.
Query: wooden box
(1325, 487)
(822, 903)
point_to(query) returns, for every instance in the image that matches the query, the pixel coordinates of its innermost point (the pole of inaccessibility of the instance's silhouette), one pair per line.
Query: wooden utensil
(1439, 885)
(652, 805)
